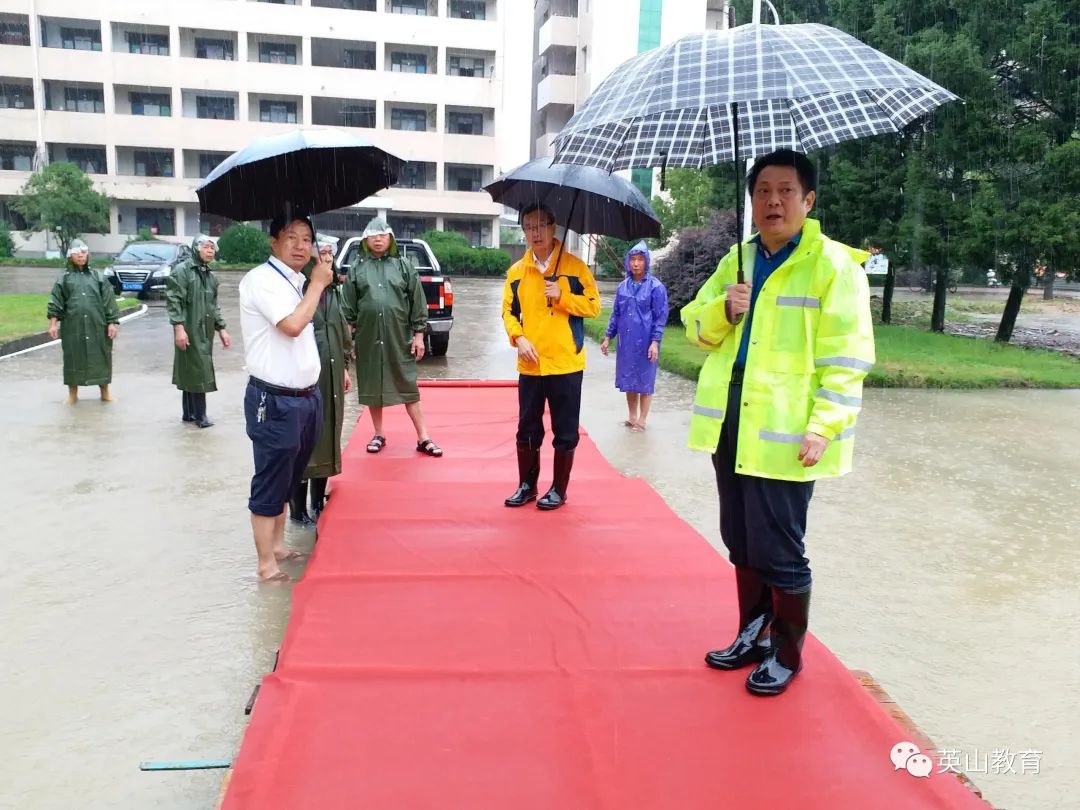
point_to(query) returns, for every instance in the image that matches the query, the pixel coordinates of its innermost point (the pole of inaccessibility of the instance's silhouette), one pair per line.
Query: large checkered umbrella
(712, 97)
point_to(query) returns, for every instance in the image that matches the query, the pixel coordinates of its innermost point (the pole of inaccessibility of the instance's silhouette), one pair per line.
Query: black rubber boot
(528, 474)
(298, 513)
(198, 402)
(189, 411)
(556, 496)
(755, 612)
(318, 496)
(791, 614)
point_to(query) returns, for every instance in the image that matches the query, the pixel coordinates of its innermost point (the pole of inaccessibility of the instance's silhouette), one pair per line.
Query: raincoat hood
(378, 226)
(76, 246)
(639, 248)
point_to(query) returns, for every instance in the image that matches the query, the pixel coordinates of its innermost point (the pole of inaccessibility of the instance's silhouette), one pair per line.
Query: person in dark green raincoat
(83, 314)
(385, 304)
(191, 298)
(335, 352)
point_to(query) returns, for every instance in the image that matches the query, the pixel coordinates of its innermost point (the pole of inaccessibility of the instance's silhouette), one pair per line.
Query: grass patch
(22, 315)
(910, 358)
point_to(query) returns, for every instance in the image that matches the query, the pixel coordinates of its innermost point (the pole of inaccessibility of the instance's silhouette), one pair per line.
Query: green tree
(243, 244)
(61, 198)
(687, 203)
(7, 244)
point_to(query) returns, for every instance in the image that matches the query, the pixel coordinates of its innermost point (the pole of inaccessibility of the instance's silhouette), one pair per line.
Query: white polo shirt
(268, 294)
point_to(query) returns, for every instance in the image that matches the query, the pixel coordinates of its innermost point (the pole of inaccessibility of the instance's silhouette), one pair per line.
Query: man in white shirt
(282, 403)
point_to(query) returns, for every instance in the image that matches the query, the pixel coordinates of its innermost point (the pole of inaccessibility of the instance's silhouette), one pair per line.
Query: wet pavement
(946, 565)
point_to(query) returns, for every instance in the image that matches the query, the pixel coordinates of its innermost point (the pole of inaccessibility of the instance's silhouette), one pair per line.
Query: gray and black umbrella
(716, 96)
(582, 199)
(306, 171)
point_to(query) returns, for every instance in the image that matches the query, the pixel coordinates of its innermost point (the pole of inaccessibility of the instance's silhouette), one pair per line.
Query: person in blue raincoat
(637, 320)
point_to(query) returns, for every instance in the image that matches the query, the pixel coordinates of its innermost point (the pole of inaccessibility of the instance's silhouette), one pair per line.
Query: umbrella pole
(740, 277)
(566, 233)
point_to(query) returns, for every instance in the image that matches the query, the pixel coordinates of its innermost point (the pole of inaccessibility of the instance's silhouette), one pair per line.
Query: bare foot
(276, 576)
(628, 423)
(287, 556)
(106, 395)
(72, 397)
(639, 427)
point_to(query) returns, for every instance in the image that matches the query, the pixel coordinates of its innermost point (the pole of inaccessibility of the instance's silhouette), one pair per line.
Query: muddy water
(134, 628)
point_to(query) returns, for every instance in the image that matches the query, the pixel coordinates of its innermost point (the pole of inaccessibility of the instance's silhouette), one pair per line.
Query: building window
(459, 123)
(401, 62)
(159, 221)
(410, 227)
(411, 120)
(14, 33)
(12, 217)
(471, 229)
(468, 9)
(80, 39)
(150, 104)
(208, 161)
(278, 53)
(218, 108)
(153, 163)
(83, 99)
(464, 178)
(16, 157)
(91, 159)
(417, 7)
(358, 115)
(16, 96)
(282, 2)
(414, 174)
(153, 44)
(277, 112)
(359, 59)
(221, 49)
(465, 66)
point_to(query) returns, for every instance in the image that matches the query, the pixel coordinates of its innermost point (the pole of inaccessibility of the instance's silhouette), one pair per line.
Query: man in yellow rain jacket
(776, 404)
(547, 296)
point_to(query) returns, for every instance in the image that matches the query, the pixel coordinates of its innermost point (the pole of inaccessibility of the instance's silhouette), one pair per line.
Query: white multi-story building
(147, 97)
(578, 43)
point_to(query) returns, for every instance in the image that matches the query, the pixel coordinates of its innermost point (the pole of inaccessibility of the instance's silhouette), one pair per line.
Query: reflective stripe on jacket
(811, 345)
(558, 331)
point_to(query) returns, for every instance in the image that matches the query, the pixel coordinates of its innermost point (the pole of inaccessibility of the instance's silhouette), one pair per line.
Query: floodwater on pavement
(134, 629)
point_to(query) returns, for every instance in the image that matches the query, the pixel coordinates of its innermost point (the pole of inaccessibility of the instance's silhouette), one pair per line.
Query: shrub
(693, 258)
(144, 235)
(456, 255)
(243, 244)
(7, 244)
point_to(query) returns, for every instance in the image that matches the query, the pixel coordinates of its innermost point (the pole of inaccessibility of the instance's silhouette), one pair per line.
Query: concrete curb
(41, 340)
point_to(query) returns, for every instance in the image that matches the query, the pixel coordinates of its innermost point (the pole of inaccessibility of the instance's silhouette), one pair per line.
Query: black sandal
(376, 444)
(428, 448)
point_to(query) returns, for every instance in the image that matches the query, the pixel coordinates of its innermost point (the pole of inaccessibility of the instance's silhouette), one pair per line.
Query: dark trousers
(562, 393)
(762, 520)
(283, 432)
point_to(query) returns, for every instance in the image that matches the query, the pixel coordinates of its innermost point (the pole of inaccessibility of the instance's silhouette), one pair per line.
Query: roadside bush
(243, 244)
(7, 244)
(456, 255)
(693, 258)
(144, 235)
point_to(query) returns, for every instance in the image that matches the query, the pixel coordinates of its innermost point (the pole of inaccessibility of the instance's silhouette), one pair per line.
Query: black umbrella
(306, 171)
(581, 198)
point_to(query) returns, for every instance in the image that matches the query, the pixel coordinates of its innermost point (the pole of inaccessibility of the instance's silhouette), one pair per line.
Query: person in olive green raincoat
(191, 299)
(335, 353)
(83, 314)
(385, 304)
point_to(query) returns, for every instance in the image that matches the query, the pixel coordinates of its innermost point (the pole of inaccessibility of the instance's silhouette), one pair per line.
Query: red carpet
(446, 652)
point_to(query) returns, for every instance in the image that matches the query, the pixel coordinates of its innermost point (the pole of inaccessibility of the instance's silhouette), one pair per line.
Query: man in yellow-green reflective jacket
(776, 404)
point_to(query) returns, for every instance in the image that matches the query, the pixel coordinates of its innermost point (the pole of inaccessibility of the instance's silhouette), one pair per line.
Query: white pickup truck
(437, 288)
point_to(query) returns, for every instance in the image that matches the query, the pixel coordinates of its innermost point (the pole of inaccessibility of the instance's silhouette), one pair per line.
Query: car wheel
(439, 344)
